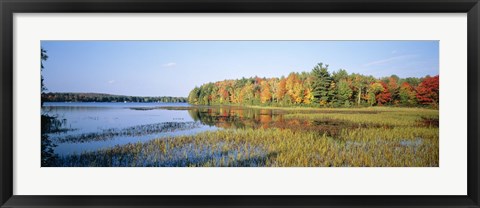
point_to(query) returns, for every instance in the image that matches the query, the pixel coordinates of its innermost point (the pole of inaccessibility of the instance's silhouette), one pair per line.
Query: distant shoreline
(108, 98)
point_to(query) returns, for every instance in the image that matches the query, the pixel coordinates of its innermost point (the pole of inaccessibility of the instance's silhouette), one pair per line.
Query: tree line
(320, 88)
(100, 97)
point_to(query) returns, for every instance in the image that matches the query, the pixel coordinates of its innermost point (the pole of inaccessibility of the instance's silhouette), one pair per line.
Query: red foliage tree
(384, 96)
(428, 91)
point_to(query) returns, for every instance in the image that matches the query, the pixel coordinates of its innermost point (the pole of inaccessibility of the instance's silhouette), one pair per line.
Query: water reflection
(245, 117)
(236, 117)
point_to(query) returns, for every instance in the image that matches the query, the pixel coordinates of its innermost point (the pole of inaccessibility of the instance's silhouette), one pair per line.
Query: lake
(92, 126)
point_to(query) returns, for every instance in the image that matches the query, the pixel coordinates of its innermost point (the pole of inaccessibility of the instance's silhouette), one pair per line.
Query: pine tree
(321, 83)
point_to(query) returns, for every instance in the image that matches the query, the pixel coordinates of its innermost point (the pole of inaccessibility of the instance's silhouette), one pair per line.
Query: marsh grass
(264, 147)
(133, 131)
(370, 137)
(383, 116)
(162, 108)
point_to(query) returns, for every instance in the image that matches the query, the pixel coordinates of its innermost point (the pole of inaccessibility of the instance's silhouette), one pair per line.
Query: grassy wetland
(282, 137)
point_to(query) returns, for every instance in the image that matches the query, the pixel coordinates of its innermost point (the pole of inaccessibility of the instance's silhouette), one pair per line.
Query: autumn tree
(408, 96)
(281, 89)
(292, 88)
(247, 93)
(307, 96)
(265, 95)
(393, 88)
(272, 82)
(413, 81)
(193, 96)
(344, 93)
(373, 90)
(223, 93)
(384, 96)
(360, 84)
(298, 92)
(428, 91)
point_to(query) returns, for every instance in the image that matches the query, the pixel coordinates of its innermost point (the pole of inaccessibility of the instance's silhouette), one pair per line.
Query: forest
(100, 97)
(320, 88)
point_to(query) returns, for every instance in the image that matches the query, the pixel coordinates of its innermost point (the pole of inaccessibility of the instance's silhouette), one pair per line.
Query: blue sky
(173, 68)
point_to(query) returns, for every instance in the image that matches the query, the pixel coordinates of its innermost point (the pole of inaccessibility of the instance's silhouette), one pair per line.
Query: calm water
(92, 126)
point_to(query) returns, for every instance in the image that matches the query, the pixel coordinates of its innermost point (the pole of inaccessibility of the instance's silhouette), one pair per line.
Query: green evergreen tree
(321, 83)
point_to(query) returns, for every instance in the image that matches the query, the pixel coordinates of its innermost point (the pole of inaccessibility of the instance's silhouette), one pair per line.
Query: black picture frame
(9, 7)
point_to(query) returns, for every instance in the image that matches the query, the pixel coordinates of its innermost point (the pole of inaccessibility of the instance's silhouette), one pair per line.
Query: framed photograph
(268, 103)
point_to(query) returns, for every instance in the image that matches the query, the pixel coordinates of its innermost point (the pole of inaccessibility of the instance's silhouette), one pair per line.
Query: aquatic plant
(133, 131)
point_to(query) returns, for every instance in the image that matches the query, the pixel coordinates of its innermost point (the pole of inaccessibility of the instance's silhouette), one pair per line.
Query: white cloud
(111, 82)
(171, 64)
(388, 60)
